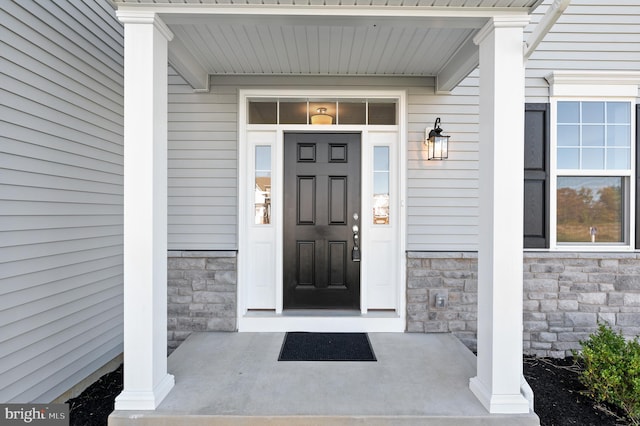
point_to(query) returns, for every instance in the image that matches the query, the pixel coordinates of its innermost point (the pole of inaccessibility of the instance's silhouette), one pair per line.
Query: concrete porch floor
(236, 379)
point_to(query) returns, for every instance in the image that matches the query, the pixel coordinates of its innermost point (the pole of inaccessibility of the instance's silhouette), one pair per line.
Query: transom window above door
(317, 111)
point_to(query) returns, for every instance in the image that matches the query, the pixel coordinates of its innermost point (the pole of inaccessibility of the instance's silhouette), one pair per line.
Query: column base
(145, 400)
(498, 404)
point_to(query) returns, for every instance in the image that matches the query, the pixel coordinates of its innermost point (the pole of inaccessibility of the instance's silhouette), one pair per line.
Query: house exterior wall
(565, 293)
(565, 296)
(61, 217)
(60, 195)
(442, 197)
(590, 35)
(202, 293)
(203, 169)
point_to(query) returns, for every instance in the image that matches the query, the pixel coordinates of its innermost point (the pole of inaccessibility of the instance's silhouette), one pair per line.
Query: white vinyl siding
(203, 167)
(442, 196)
(442, 200)
(61, 117)
(597, 35)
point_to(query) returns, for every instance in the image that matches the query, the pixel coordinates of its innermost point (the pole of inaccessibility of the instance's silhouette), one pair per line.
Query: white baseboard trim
(270, 322)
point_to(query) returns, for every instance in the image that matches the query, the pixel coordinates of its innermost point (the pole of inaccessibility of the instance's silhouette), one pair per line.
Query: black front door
(321, 207)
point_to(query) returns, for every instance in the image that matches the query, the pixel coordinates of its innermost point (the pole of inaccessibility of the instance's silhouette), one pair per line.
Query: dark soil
(93, 406)
(555, 384)
(558, 397)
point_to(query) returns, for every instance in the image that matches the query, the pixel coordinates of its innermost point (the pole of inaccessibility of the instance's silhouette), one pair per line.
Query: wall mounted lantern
(321, 117)
(437, 143)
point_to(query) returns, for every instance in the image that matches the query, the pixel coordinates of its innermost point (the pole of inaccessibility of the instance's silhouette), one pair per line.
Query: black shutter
(637, 176)
(536, 176)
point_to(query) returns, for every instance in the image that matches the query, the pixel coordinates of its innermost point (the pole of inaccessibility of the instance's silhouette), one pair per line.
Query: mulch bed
(558, 398)
(555, 384)
(93, 406)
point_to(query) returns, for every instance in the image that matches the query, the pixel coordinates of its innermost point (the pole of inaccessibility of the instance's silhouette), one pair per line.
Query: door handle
(355, 253)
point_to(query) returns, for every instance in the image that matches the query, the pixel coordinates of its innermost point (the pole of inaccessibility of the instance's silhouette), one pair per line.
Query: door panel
(337, 263)
(337, 200)
(306, 261)
(306, 192)
(321, 195)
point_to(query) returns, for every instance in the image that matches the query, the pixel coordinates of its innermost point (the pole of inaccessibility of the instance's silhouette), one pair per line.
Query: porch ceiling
(323, 45)
(431, 38)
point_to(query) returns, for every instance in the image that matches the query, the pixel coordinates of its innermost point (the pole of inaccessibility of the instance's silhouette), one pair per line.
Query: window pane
(619, 135)
(593, 112)
(592, 135)
(568, 158)
(599, 126)
(293, 112)
(381, 159)
(262, 192)
(568, 135)
(593, 158)
(352, 112)
(263, 112)
(590, 210)
(618, 158)
(382, 113)
(618, 112)
(381, 185)
(568, 112)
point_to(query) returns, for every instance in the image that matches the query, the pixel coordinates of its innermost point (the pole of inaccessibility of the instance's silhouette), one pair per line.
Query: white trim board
(260, 255)
(327, 322)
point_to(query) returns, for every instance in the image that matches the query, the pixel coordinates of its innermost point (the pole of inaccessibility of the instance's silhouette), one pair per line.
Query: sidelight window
(262, 192)
(381, 185)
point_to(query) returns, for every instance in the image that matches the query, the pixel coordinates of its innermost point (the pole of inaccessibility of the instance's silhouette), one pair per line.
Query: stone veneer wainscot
(202, 291)
(565, 296)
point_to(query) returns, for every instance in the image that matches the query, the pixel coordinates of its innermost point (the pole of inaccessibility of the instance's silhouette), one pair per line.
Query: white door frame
(383, 283)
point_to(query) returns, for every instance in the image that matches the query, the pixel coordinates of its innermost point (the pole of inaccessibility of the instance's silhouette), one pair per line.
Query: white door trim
(259, 300)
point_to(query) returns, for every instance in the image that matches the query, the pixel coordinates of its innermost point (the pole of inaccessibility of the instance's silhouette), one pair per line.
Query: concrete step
(124, 418)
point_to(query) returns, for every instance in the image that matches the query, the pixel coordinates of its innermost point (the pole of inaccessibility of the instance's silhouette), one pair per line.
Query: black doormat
(298, 346)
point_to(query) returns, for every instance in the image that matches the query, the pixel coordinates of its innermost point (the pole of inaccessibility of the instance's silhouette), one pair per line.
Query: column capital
(145, 17)
(517, 21)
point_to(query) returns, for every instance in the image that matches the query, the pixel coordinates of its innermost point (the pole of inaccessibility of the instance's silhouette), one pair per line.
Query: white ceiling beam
(459, 66)
(188, 66)
(304, 19)
(323, 10)
(321, 81)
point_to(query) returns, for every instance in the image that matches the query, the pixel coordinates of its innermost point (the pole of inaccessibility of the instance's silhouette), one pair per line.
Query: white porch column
(146, 381)
(499, 368)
